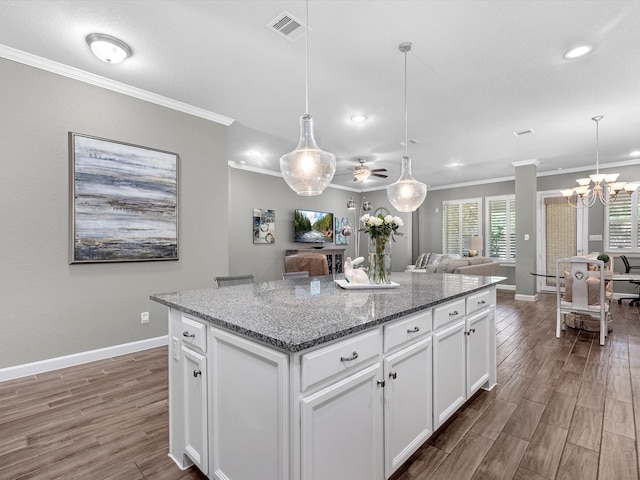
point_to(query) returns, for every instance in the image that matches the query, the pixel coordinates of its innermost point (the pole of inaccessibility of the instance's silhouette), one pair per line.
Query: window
(622, 230)
(501, 227)
(460, 221)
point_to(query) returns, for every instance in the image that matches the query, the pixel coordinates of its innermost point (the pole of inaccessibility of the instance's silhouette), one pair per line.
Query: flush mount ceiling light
(308, 170)
(107, 48)
(578, 52)
(406, 194)
(358, 118)
(605, 188)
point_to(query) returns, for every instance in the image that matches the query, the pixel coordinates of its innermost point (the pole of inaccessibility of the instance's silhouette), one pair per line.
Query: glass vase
(379, 260)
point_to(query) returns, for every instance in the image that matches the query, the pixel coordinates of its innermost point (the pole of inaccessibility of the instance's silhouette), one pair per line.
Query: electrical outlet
(144, 317)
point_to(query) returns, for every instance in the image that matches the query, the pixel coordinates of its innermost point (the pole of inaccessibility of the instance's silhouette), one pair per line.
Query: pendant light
(407, 193)
(308, 169)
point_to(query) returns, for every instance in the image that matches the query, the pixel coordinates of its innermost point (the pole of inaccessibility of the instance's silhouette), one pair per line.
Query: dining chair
(584, 292)
(628, 269)
(292, 275)
(229, 281)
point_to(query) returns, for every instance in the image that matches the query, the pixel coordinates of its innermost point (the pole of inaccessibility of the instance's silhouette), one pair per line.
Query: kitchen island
(302, 379)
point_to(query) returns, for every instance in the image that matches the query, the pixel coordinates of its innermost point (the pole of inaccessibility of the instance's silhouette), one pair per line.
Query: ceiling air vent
(287, 26)
(523, 132)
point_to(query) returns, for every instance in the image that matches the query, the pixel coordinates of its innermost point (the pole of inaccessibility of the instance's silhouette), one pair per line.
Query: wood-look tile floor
(563, 409)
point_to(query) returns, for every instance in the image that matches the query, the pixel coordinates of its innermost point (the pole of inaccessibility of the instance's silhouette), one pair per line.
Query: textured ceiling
(478, 71)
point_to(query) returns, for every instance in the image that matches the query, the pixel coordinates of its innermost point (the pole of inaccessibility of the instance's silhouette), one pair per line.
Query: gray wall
(430, 216)
(249, 190)
(51, 308)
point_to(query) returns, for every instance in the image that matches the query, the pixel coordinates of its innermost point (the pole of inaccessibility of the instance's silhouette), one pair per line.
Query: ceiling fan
(362, 172)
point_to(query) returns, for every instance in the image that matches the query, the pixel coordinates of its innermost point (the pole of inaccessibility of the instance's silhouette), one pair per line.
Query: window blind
(460, 221)
(623, 228)
(501, 228)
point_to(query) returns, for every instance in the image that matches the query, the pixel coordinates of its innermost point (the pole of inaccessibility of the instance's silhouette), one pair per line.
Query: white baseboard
(42, 366)
(506, 287)
(526, 298)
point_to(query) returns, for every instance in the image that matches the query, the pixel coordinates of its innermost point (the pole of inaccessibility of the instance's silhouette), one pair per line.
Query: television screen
(313, 227)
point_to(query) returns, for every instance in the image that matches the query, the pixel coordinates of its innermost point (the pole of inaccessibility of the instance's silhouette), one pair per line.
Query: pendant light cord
(597, 120)
(306, 62)
(404, 48)
(406, 117)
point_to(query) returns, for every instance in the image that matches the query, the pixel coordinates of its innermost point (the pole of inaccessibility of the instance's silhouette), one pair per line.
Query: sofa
(454, 263)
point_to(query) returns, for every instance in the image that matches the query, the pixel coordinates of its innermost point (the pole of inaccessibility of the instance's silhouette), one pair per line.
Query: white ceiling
(478, 71)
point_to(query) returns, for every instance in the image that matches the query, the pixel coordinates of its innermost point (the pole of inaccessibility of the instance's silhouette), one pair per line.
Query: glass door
(563, 232)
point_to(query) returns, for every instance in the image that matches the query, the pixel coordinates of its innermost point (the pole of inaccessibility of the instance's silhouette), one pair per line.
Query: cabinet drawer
(448, 312)
(339, 357)
(478, 301)
(406, 330)
(194, 333)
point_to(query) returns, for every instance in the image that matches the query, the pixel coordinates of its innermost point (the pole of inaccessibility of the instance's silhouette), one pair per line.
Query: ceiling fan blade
(379, 170)
(379, 175)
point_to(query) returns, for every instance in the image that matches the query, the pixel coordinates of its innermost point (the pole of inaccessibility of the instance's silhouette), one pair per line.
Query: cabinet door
(408, 413)
(341, 429)
(449, 371)
(478, 354)
(249, 405)
(194, 377)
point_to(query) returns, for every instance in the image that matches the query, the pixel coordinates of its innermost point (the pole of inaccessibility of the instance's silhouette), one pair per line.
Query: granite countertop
(288, 315)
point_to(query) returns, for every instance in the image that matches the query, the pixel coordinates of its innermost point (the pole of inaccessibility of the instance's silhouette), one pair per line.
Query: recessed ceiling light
(635, 153)
(454, 164)
(578, 52)
(254, 153)
(358, 118)
(107, 48)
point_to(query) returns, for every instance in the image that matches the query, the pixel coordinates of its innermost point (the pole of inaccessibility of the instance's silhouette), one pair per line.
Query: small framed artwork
(124, 201)
(340, 224)
(264, 225)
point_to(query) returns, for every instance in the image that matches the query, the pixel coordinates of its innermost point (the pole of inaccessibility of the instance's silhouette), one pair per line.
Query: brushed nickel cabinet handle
(414, 330)
(196, 373)
(187, 334)
(348, 359)
(455, 312)
(481, 302)
(393, 375)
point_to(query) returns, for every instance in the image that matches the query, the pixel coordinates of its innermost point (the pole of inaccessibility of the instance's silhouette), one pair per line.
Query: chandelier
(603, 187)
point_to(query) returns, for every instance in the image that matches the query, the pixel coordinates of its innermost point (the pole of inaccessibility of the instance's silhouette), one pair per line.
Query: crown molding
(521, 163)
(76, 74)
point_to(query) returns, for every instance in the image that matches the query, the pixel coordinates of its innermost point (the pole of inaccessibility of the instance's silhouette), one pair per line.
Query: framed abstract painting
(124, 201)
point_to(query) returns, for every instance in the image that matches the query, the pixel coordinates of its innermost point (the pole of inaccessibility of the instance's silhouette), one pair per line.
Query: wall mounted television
(310, 226)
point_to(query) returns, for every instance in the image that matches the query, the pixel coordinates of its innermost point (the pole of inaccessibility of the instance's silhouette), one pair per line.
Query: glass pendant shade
(407, 193)
(308, 170)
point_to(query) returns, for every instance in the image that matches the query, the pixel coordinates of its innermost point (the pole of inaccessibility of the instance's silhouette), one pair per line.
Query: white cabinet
(407, 402)
(249, 428)
(479, 334)
(194, 384)
(341, 429)
(463, 353)
(449, 375)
